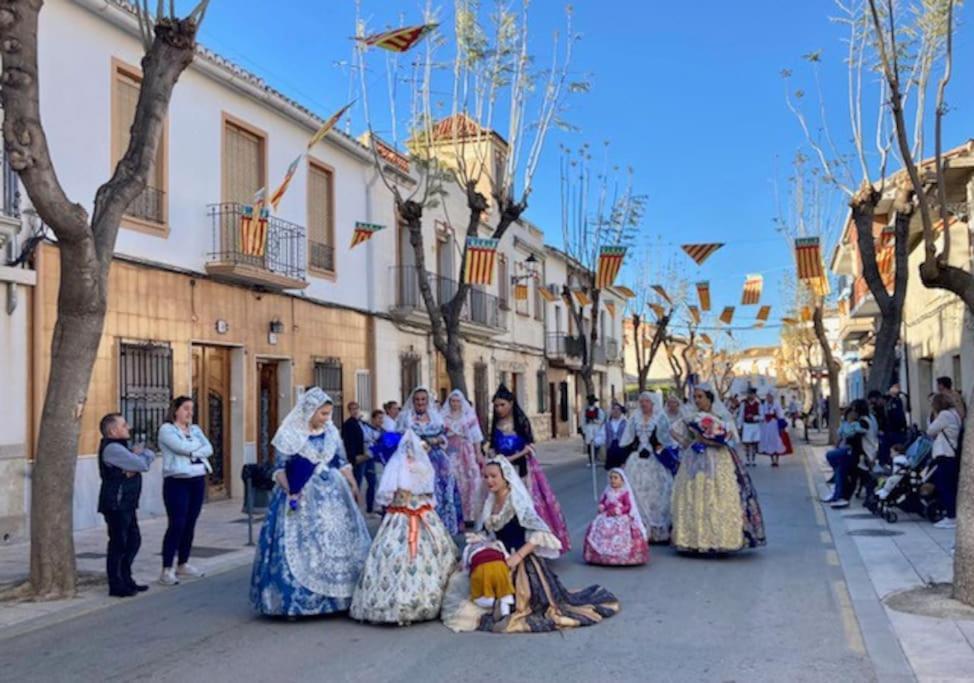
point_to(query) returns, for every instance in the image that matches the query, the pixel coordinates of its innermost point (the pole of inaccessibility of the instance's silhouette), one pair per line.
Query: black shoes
(139, 588)
(122, 592)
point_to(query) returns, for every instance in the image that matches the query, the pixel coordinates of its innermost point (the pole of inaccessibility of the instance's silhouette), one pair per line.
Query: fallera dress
(650, 470)
(617, 535)
(464, 437)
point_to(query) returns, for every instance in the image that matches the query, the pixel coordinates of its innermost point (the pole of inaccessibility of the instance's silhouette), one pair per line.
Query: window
(363, 390)
(542, 391)
(147, 211)
(321, 217)
(145, 388)
(328, 376)
(503, 283)
(520, 391)
(409, 371)
(244, 161)
(956, 373)
(521, 293)
(538, 301)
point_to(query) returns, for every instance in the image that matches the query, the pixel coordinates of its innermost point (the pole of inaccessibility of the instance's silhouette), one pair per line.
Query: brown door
(267, 394)
(553, 409)
(211, 397)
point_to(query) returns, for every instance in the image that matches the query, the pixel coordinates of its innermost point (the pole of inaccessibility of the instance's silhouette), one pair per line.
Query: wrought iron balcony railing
(479, 308)
(150, 206)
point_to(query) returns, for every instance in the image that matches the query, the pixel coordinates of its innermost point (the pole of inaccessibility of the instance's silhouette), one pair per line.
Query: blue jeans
(842, 462)
(366, 470)
(945, 479)
(183, 498)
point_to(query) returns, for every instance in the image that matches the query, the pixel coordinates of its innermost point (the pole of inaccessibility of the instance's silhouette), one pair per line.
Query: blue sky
(689, 94)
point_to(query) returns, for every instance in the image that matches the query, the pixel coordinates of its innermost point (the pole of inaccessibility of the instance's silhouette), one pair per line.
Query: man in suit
(353, 436)
(121, 471)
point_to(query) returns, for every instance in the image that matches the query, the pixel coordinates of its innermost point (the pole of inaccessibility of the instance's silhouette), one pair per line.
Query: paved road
(777, 614)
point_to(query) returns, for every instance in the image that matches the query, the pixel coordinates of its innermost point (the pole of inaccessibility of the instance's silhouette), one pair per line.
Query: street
(781, 613)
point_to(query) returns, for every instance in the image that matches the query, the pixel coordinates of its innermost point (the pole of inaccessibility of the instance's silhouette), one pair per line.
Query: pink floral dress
(614, 537)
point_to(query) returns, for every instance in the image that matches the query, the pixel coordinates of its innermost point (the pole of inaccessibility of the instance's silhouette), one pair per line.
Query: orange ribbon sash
(415, 516)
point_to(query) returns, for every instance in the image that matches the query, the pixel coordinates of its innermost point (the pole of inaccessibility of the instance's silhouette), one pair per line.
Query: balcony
(238, 256)
(862, 304)
(480, 315)
(564, 349)
(149, 206)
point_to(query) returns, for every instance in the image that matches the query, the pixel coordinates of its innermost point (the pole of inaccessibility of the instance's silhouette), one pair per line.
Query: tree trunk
(642, 369)
(454, 361)
(832, 368)
(964, 549)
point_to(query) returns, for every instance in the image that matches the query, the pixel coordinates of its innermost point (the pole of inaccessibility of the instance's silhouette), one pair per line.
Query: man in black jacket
(121, 485)
(353, 436)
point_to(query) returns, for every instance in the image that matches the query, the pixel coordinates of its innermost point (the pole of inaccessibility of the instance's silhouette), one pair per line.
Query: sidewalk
(220, 545)
(896, 557)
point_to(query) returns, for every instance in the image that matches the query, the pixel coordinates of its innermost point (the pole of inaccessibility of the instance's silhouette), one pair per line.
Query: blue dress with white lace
(309, 559)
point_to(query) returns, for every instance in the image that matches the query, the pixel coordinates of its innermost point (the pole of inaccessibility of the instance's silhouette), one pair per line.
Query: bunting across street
(694, 313)
(659, 289)
(547, 294)
(399, 39)
(752, 290)
(363, 232)
(703, 293)
(811, 271)
(763, 314)
(581, 297)
(705, 338)
(701, 252)
(727, 315)
(658, 310)
(625, 291)
(610, 261)
(328, 125)
(481, 254)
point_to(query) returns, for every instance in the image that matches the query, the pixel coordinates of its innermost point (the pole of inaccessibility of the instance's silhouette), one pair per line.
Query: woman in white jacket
(945, 432)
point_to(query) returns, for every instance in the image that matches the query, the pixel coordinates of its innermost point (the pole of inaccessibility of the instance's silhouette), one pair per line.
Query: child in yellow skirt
(490, 578)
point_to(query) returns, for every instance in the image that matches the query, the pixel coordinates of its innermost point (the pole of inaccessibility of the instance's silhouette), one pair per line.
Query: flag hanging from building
(253, 229)
(703, 293)
(694, 313)
(610, 261)
(662, 292)
(581, 297)
(819, 286)
(328, 125)
(701, 252)
(481, 253)
(658, 310)
(625, 291)
(610, 306)
(363, 232)
(520, 292)
(727, 315)
(278, 194)
(547, 294)
(764, 313)
(705, 338)
(752, 290)
(886, 253)
(398, 39)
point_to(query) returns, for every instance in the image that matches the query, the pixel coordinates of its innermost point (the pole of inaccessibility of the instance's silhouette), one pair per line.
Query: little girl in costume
(617, 535)
(490, 577)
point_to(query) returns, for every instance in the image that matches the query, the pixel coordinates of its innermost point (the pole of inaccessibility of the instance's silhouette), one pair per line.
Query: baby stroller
(908, 486)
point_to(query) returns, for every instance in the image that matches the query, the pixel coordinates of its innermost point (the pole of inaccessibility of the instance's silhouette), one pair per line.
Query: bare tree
(492, 72)
(86, 244)
(930, 25)
(646, 347)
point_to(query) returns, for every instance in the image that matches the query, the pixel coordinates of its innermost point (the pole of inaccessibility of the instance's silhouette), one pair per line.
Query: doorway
(267, 410)
(553, 409)
(211, 397)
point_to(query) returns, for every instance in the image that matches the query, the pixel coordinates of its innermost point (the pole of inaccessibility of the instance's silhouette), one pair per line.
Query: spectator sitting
(843, 459)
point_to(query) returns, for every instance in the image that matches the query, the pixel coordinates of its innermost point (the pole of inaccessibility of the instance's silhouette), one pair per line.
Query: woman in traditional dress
(674, 408)
(715, 507)
(314, 540)
(771, 418)
(413, 554)
(617, 535)
(651, 465)
(615, 428)
(427, 423)
(541, 602)
(511, 436)
(464, 437)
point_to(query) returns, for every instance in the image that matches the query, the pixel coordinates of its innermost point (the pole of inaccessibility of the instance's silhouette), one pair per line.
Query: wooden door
(553, 409)
(267, 406)
(211, 397)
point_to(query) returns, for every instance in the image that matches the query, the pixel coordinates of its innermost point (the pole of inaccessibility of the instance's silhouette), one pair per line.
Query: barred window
(145, 388)
(328, 376)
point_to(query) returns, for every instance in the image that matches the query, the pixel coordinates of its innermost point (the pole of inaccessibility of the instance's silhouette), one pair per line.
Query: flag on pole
(398, 39)
(520, 292)
(694, 313)
(275, 199)
(658, 310)
(363, 232)
(481, 253)
(547, 294)
(727, 315)
(610, 306)
(610, 261)
(703, 293)
(328, 125)
(625, 291)
(701, 252)
(581, 297)
(662, 292)
(752, 290)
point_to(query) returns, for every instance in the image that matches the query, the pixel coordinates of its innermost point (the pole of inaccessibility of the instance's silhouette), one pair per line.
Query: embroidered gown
(771, 442)
(506, 442)
(715, 507)
(463, 440)
(651, 480)
(449, 503)
(308, 560)
(614, 537)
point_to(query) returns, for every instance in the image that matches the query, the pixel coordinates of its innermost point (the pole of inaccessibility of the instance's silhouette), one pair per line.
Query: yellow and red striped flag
(278, 194)
(398, 39)
(694, 313)
(610, 306)
(705, 338)
(789, 321)
(610, 261)
(328, 125)
(481, 253)
(658, 310)
(752, 290)
(520, 292)
(727, 315)
(581, 297)
(363, 232)
(246, 227)
(662, 292)
(806, 314)
(764, 313)
(547, 294)
(625, 291)
(703, 293)
(253, 229)
(808, 255)
(701, 252)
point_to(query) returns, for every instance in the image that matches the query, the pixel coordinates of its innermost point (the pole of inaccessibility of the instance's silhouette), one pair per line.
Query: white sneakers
(189, 570)
(168, 577)
(946, 523)
(840, 503)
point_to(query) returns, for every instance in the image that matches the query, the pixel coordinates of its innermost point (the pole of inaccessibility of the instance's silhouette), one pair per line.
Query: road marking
(825, 537)
(832, 558)
(812, 490)
(850, 624)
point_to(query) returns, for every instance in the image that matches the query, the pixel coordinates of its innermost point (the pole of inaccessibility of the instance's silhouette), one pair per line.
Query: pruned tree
(492, 76)
(646, 347)
(899, 29)
(86, 244)
(683, 361)
(599, 208)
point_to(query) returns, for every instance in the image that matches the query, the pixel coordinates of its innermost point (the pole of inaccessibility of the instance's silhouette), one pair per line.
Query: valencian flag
(481, 252)
(282, 188)
(398, 39)
(625, 291)
(808, 256)
(328, 125)
(253, 229)
(703, 293)
(547, 294)
(520, 292)
(581, 297)
(363, 232)
(610, 261)
(886, 253)
(694, 313)
(764, 313)
(662, 292)
(752, 290)
(705, 338)
(701, 252)
(658, 310)
(727, 315)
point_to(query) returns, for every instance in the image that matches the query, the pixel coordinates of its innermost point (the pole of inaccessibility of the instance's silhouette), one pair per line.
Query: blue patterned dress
(449, 504)
(308, 560)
